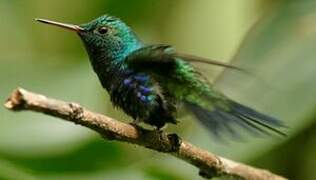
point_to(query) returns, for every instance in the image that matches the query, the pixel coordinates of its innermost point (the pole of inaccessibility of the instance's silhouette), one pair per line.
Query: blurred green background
(279, 49)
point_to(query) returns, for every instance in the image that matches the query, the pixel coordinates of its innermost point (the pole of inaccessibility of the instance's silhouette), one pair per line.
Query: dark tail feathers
(220, 121)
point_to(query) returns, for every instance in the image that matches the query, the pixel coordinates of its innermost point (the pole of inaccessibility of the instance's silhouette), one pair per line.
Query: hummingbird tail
(219, 120)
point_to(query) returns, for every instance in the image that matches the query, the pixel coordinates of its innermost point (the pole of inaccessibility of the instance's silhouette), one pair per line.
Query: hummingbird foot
(175, 141)
(173, 138)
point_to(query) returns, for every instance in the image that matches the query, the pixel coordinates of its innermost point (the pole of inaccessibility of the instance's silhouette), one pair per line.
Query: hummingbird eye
(103, 30)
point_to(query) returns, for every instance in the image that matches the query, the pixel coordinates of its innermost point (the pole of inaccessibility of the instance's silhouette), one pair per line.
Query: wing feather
(161, 54)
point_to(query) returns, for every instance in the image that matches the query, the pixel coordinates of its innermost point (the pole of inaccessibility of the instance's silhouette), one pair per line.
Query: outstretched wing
(162, 55)
(180, 82)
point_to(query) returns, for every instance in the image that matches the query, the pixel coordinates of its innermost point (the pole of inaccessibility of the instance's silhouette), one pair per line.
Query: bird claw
(175, 141)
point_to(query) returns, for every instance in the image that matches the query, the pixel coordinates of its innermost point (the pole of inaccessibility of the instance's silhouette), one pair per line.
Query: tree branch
(210, 165)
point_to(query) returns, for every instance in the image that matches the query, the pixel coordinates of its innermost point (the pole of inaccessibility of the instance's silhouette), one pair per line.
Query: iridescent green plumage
(150, 82)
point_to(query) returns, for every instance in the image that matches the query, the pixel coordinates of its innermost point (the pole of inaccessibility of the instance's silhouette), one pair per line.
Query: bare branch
(210, 165)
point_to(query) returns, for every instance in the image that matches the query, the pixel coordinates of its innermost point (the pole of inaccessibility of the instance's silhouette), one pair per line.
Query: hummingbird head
(107, 39)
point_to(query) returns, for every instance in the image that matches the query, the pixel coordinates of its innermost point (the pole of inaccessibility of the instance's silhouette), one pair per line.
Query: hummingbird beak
(71, 27)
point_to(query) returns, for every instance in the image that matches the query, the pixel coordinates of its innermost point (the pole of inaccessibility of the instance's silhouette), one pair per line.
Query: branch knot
(76, 111)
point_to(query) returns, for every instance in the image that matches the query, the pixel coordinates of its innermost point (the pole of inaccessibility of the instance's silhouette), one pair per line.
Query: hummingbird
(151, 82)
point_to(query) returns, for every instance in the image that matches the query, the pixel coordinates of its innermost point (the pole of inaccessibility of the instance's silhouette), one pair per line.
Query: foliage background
(279, 49)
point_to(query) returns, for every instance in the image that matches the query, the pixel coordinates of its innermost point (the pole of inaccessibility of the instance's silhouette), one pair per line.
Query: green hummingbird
(151, 82)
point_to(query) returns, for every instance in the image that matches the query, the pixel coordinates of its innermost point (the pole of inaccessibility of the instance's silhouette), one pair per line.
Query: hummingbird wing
(167, 54)
(181, 82)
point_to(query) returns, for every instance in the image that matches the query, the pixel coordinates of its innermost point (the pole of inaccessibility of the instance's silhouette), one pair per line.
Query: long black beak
(71, 27)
